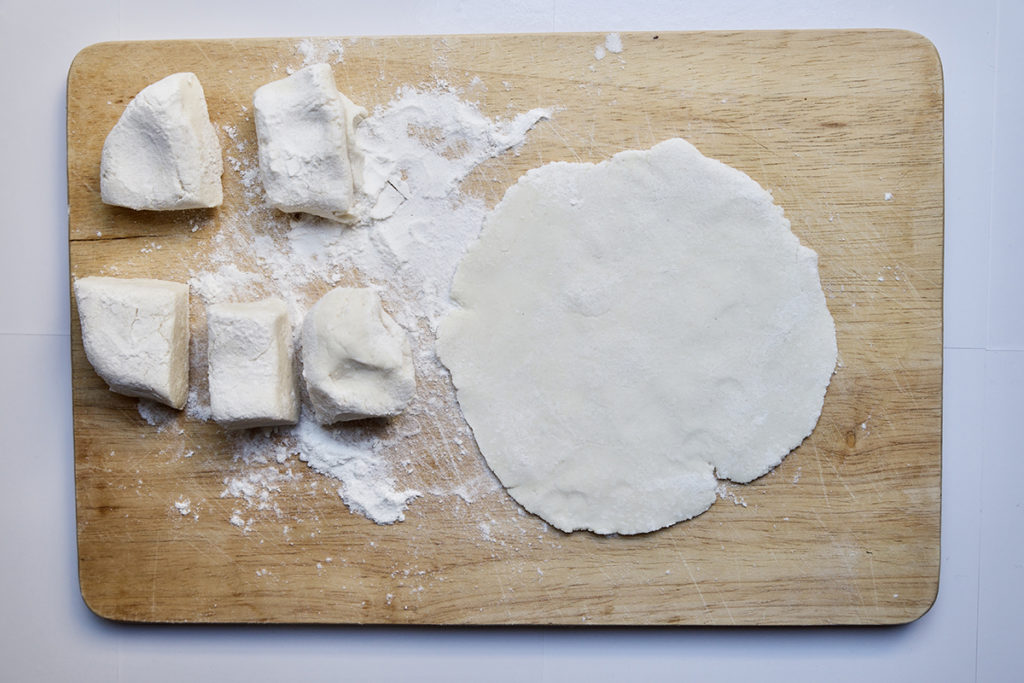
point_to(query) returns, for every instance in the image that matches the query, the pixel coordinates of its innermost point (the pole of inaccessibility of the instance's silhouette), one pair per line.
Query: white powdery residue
(613, 43)
(350, 456)
(409, 245)
(417, 150)
(335, 52)
(156, 414)
(197, 406)
(600, 52)
(332, 51)
(288, 274)
(436, 139)
(227, 283)
(469, 490)
(246, 166)
(256, 487)
(256, 480)
(888, 196)
(315, 248)
(257, 475)
(724, 493)
(183, 506)
(237, 520)
(308, 51)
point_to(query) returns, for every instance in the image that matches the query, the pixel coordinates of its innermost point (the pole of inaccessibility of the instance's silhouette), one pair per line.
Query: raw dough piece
(305, 130)
(356, 360)
(163, 153)
(135, 333)
(627, 329)
(252, 381)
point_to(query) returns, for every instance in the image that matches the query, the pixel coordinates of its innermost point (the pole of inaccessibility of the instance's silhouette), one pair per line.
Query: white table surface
(975, 631)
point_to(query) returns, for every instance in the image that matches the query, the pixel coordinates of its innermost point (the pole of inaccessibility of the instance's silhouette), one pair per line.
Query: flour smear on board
(418, 149)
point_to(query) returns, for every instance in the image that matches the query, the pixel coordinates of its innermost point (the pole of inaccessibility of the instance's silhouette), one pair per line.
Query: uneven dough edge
(475, 400)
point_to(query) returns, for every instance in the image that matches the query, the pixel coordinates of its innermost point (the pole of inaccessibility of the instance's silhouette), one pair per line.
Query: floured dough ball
(135, 333)
(356, 360)
(631, 328)
(163, 153)
(252, 381)
(305, 131)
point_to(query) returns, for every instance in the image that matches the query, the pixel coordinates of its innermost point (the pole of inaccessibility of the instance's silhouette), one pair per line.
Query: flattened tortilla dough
(630, 328)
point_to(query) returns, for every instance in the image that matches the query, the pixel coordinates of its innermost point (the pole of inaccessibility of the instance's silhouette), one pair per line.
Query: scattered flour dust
(315, 52)
(158, 415)
(723, 492)
(612, 44)
(417, 150)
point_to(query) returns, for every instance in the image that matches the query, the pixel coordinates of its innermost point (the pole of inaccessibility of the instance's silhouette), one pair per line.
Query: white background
(975, 631)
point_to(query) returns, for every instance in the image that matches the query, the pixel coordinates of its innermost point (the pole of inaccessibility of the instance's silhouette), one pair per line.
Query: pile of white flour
(418, 150)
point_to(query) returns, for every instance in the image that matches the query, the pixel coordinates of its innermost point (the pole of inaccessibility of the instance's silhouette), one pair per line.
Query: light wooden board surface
(846, 530)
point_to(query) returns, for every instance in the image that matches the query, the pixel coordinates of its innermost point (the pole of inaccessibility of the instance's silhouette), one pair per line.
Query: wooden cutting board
(844, 127)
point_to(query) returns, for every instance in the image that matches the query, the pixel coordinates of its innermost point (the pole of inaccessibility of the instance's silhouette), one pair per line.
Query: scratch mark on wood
(557, 130)
(696, 585)
(821, 479)
(874, 583)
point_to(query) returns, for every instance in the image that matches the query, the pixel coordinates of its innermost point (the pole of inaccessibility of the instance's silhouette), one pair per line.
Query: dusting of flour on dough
(418, 149)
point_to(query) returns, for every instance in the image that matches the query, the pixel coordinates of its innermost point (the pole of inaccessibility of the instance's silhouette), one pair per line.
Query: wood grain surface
(844, 127)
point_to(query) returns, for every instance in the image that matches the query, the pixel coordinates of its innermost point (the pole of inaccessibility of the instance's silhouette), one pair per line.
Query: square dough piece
(135, 332)
(252, 381)
(304, 131)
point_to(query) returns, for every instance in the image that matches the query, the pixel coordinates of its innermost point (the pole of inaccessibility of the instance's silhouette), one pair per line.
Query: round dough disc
(627, 329)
